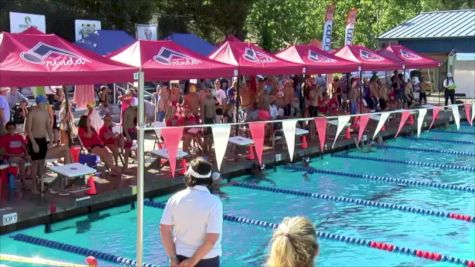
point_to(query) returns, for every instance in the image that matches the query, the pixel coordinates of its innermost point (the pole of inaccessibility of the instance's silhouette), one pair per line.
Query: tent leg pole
(140, 170)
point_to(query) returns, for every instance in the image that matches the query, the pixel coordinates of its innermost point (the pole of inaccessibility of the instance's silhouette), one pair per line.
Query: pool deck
(34, 210)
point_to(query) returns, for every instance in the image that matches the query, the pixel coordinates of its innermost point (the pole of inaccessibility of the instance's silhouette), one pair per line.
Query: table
(72, 170)
(375, 117)
(428, 106)
(335, 122)
(240, 141)
(163, 153)
(299, 132)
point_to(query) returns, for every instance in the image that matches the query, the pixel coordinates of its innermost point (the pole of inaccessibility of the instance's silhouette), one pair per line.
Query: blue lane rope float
(441, 140)
(453, 132)
(386, 179)
(342, 238)
(409, 162)
(78, 250)
(449, 152)
(363, 202)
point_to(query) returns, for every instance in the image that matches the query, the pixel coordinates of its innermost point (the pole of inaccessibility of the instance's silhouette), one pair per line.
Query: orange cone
(92, 186)
(250, 153)
(411, 120)
(183, 166)
(303, 142)
(348, 133)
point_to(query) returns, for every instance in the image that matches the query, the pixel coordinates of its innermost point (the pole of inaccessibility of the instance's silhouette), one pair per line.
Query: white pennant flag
(381, 122)
(455, 111)
(220, 136)
(420, 120)
(288, 126)
(342, 121)
(473, 110)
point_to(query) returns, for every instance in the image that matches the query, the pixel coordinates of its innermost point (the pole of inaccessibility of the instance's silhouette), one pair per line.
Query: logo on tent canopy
(409, 55)
(315, 57)
(52, 56)
(370, 56)
(168, 56)
(257, 57)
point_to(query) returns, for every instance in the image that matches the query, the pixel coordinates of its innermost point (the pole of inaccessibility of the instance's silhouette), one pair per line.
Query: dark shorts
(312, 111)
(208, 129)
(43, 145)
(212, 262)
(219, 111)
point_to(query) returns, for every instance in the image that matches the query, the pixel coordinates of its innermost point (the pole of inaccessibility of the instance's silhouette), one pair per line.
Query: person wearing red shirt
(191, 135)
(91, 141)
(13, 148)
(113, 141)
(323, 104)
(333, 105)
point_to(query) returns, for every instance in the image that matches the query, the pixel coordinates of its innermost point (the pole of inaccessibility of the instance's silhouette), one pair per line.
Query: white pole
(140, 168)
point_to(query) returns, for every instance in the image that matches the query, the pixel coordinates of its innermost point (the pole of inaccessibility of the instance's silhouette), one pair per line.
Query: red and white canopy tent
(32, 30)
(407, 57)
(368, 59)
(166, 60)
(46, 59)
(316, 60)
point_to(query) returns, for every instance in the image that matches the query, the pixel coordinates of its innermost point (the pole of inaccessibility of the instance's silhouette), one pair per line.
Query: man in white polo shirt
(195, 217)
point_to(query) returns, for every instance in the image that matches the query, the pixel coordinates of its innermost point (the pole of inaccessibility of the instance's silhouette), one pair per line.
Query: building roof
(438, 24)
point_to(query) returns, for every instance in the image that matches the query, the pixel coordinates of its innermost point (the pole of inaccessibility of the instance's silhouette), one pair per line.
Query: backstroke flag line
(258, 134)
(220, 136)
(435, 115)
(288, 126)
(455, 111)
(405, 114)
(350, 26)
(363, 121)
(171, 139)
(381, 122)
(467, 113)
(420, 120)
(342, 121)
(321, 124)
(327, 28)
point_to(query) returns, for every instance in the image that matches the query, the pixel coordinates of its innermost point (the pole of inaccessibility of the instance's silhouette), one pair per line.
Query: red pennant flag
(258, 134)
(171, 139)
(321, 124)
(435, 115)
(405, 115)
(362, 122)
(468, 107)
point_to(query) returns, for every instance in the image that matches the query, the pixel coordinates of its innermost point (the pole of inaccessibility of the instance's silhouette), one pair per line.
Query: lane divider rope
(78, 250)
(453, 132)
(450, 152)
(347, 239)
(363, 202)
(441, 140)
(409, 162)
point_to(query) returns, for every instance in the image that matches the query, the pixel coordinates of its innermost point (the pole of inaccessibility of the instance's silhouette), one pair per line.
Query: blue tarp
(192, 42)
(104, 42)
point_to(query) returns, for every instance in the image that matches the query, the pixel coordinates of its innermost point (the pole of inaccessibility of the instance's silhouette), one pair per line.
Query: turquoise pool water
(113, 230)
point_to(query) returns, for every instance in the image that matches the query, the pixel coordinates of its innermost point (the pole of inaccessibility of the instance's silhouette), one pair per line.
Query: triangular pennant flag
(342, 121)
(467, 113)
(420, 120)
(473, 110)
(321, 124)
(435, 115)
(288, 126)
(220, 137)
(381, 122)
(455, 111)
(258, 134)
(363, 121)
(405, 114)
(171, 139)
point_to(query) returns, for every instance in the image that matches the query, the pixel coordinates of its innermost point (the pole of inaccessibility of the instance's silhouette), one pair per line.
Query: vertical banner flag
(288, 126)
(381, 122)
(220, 137)
(327, 28)
(342, 121)
(363, 121)
(467, 113)
(405, 114)
(83, 28)
(420, 119)
(146, 32)
(321, 124)
(22, 21)
(350, 26)
(258, 134)
(455, 111)
(435, 115)
(172, 137)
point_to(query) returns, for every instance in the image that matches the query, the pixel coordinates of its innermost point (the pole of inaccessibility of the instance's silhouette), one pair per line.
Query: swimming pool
(113, 230)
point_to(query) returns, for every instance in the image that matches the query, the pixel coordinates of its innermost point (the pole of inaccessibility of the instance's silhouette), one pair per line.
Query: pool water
(113, 230)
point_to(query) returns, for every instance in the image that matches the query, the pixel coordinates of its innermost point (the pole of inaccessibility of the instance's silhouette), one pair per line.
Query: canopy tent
(46, 59)
(32, 30)
(192, 42)
(368, 59)
(249, 59)
(104, 42)
(165, 60)
(407, 57)
(316, 60)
